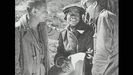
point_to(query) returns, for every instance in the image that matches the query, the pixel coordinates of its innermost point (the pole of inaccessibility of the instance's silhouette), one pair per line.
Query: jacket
(73, 42)
(105, 60)
(31, 50)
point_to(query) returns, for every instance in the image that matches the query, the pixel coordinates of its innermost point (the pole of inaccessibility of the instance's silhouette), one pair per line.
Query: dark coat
(73, 42)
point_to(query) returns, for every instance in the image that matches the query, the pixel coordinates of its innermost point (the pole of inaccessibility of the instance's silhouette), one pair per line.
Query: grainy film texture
(66, 37)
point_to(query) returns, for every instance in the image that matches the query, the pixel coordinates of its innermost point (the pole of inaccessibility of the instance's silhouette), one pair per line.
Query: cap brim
(76, 5)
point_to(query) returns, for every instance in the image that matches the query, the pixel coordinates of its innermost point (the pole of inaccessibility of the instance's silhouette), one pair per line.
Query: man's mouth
(73, 20)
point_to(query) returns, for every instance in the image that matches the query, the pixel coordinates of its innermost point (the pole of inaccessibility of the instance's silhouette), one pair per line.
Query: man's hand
(89, 53)
(66, 67)
(63, 63)
(60, 62)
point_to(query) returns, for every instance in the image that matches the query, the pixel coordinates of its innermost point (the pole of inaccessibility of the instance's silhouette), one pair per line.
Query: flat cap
(77, 7)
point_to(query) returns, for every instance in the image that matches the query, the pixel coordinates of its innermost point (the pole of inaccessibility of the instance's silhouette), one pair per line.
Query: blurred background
(56, 20)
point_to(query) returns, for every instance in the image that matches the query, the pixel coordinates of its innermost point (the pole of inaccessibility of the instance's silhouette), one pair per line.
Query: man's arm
(60, 50)
(19, 55)
(90, 50)
(104, 42)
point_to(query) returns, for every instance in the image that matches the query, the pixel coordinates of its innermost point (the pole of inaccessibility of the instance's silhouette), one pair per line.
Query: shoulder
(107, 19)
(63, 32)
(106, 14)
(22, 21)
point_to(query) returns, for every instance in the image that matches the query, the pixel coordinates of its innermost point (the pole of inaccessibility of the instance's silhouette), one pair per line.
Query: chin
(73, 24)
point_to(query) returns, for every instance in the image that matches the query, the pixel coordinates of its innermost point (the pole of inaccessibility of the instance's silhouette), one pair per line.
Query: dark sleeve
(60, 49)
(43, 37)
(90, 39)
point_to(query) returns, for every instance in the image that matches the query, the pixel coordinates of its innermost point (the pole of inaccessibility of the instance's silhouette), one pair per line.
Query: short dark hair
(35, 4)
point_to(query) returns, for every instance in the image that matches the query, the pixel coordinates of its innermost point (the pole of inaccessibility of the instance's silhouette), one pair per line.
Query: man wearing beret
(75, 38)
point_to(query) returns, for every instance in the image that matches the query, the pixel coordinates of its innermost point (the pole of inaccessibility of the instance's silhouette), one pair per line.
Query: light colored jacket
(105, 61)
(30, 49)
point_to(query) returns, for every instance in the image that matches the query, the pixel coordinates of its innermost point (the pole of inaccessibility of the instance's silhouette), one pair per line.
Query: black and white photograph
(66, 37)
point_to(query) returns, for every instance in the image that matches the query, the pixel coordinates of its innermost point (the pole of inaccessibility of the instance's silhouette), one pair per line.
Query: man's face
(87, 4)
(73, 18)
(91, 7)
(41, 14)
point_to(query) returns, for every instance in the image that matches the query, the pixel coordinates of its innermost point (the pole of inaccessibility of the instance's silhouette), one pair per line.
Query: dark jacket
(73, 42)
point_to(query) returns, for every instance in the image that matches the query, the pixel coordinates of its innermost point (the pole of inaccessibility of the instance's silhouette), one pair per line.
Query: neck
(79, 25)
(33, 23)
(96, 12)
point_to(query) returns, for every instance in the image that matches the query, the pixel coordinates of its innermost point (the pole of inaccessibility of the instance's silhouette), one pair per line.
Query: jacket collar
(81, 26)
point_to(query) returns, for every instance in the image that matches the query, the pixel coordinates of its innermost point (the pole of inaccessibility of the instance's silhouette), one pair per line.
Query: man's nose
(73, 17)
